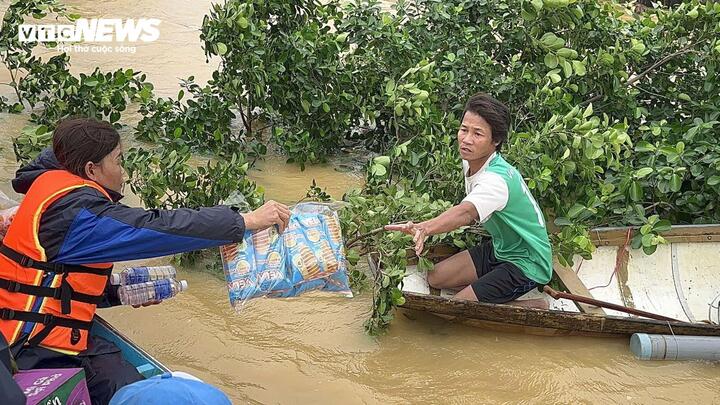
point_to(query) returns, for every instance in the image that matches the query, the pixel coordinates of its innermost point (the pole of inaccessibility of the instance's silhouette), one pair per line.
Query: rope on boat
(714, 304)
(621, 257)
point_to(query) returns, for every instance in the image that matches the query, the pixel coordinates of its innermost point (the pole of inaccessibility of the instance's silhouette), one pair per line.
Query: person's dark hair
(494, 112)
(77, 141)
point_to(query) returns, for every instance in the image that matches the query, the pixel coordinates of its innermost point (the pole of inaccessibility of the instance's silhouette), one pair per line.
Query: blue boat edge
(145, 364)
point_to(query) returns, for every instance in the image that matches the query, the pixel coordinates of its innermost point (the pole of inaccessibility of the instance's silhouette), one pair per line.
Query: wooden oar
(590, 301)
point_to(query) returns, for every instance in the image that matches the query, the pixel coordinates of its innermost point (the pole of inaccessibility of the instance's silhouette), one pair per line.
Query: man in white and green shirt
(518, 257)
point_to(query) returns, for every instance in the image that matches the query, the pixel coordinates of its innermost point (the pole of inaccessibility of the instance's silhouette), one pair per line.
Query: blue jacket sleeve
(103, 231)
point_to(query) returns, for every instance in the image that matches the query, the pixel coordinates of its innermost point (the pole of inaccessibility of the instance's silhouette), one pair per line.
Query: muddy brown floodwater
(312, 349)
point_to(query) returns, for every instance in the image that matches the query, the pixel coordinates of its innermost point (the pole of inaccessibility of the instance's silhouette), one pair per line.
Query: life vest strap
(65, 293)
(57, 268)
(50, 321)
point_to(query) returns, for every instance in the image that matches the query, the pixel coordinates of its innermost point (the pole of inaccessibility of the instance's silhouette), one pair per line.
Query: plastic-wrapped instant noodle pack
(309, 255)
(8, 208)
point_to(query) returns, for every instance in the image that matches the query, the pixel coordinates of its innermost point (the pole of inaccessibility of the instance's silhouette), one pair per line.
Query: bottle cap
(183, 285)
(115, 279)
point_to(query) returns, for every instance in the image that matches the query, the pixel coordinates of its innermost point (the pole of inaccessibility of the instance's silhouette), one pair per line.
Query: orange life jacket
(59, 311)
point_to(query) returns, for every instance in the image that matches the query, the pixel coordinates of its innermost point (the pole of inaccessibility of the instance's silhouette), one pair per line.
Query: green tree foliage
(281, 63)
(48, 89)
(614, 112)
(164, 176)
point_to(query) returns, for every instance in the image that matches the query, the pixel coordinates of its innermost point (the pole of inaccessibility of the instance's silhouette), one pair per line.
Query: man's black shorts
(498, 282)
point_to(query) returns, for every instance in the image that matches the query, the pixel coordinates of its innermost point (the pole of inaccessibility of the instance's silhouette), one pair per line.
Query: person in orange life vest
(57, 255)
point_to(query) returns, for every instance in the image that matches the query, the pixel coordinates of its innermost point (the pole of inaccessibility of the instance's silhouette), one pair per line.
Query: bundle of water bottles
(309, 255)
(142, 285)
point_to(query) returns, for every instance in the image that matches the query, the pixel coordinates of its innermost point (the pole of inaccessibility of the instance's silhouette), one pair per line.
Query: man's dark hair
(77, 141)
(494, 112)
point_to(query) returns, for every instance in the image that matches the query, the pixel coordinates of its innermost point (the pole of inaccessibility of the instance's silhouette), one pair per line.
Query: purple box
(58, 386)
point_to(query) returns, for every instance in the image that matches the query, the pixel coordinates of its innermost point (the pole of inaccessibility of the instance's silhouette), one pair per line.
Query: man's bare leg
(468, 294)
(455, 271)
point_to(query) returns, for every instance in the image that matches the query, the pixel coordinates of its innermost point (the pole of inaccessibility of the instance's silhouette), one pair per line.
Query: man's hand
(271, 213)
(147, 304)
(417, 231)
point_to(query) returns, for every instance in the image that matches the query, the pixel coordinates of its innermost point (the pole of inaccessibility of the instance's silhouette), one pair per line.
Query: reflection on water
(312, 349)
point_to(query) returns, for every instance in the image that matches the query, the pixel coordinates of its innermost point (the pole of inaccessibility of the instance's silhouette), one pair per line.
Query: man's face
(475, 138)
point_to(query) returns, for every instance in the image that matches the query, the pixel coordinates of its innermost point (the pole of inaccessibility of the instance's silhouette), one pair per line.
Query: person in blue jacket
(83, 226)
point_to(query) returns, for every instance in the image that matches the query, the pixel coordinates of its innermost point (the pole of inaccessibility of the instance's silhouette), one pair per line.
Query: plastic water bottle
(138, 294)
(142, 274)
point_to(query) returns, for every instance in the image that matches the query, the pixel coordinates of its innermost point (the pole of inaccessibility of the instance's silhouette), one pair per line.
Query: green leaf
(575, 210)
(378, 170)
(588, 111)
(551, 61)
(556, 3)
(579, 68)
(567, 53)
(649, 249)
(353, 256)
(643, 172)
(342, 37)
(636, 191)
(675, 183)
(242, 22)
(222, 48)
(305, 106)
(390, 87)
(662, 226)
(567, 68)
(382, 160)
(644, 146)
(425, 264)
(561, 221)
(713, 180)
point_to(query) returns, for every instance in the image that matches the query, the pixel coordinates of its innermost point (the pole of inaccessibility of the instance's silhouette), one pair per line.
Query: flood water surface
(313, 349)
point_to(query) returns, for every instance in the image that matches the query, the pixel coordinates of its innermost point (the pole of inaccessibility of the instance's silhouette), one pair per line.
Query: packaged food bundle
(309, 255)
(6, 217)
(8, 208)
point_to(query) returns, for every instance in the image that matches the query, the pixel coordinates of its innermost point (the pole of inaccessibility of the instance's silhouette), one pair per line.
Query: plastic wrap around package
(8, 208)
(309, 255)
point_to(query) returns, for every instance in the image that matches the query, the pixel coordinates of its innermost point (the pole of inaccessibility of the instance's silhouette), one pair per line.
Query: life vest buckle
(47, 319)
(25, 261)
(7, 314)
(13, 286)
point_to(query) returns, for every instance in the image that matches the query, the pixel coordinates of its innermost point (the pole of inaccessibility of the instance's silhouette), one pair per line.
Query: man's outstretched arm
(462, 214)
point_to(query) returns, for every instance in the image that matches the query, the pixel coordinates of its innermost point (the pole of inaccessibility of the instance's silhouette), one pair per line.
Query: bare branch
(647, 71)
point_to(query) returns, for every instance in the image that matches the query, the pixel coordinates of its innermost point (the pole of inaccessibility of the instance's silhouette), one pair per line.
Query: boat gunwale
(616, 236)
(127, 341)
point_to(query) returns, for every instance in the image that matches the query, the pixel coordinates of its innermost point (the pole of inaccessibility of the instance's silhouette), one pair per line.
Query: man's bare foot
(537, 303)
